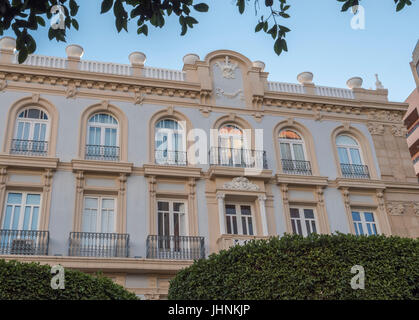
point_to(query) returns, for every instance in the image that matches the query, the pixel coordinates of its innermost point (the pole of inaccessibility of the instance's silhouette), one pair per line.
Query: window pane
(369, 217)
(14, 198)
(8, 217)
(343, 155)
(163, 206)
(298, 152)
(244, 226)
(230, 209)
(179, 207)
(285, 151)
(356, 157)
(26, 218)
(356, 216)
(108, 204)
(16, 216)
(245, 210)
(294, 213)
(288, 134)
(234, 225)
(34, 199)
(300, 232)
(345, 140)
(308, 214)
(35, 216)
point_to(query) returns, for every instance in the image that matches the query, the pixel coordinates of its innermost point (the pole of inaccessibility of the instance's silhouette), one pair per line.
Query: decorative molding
(398, 130)
(71, 91)
(220, 92)
(258, 116)
(3, 85)
(138, 96)
(35, 97)
(375, 128)
(396, 208)
(105, 104)
(205, 111)
(241, 183)
(227, 68)
(384, 115)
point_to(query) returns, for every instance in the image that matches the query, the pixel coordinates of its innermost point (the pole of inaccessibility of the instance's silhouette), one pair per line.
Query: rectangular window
(22, 211)
(99, 214)
(303, 221)
(364, 223)
(239, 219)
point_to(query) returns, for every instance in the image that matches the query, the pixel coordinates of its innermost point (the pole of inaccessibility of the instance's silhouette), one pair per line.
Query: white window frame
(103, 127)
(171, 214)
(347, 147)
(291, 142)
(303, 219)
(239, 216)
(230, 152)
(23, 205)
(99, 212)
(363, 222)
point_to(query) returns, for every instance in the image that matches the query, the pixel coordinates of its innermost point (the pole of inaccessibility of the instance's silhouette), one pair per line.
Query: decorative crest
(227, 68)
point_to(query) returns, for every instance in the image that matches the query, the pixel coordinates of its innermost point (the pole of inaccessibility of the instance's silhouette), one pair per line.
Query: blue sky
(321, 41)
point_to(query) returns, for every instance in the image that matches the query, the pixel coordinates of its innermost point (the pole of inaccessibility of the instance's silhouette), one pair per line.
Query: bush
(315, 267)
(32, 281)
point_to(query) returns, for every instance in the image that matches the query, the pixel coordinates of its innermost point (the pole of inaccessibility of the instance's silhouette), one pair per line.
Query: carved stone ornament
(227, 68)
(241, 183)
(395, 209)
(375, 128)
(220, 92)
(398, 131)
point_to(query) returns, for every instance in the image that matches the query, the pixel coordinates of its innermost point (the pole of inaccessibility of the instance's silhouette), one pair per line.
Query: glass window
(348, 150)
(364, 223)
(303, 221)
(239, 219)
(230, 145)
(102, 137)
(22, 211)
(98, 215)
(170, 142)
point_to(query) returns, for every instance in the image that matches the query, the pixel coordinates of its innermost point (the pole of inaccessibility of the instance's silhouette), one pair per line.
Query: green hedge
(315, 267)
(32, 281)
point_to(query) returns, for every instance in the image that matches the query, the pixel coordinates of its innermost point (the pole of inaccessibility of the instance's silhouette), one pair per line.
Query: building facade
(411, 118)
(136, 171)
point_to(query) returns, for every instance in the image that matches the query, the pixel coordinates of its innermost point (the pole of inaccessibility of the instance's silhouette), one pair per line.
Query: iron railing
(26, 242)
(98, 152)
(29, 147)
(355, 171)
(175, 247)
(299, 167)
(93, 244)
(171, 158)
(242, 158)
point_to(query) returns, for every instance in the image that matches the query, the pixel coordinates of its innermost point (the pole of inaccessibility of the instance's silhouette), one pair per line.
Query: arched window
(350, 157)
(230, 145)
(170, 143)
(102, 138)
(31, 132)
(293, 154)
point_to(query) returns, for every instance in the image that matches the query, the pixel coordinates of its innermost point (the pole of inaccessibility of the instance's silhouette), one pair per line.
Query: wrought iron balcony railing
(175, 247)
(242, 158)
(106, 153)
(355, 171)
(171, 158)
(29, 147)
(26, 242)
(296, 167)
(93, 244)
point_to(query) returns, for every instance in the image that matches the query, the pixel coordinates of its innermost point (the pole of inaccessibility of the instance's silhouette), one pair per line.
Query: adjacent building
(411, 119)
(136, 170)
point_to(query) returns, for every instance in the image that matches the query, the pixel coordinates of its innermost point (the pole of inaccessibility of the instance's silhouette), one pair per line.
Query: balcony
(227, 241)
(175, 247)
(239, 158)
(171, 158)
(103, 153)
(296, 167)
(104, 245)
(29, 147)
(354, 171)
(25, 242)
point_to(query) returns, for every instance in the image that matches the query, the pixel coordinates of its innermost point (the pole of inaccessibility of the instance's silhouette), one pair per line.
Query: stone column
(220, 198)
(262, 199)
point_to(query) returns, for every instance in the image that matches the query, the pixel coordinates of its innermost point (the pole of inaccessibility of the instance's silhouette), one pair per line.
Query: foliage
(32, 281)
(24, 16)
(316, 267)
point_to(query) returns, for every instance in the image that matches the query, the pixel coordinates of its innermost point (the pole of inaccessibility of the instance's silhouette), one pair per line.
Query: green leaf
(106, 6)
(201, 7)
(40, 21)
(75, 24)
(23, 54)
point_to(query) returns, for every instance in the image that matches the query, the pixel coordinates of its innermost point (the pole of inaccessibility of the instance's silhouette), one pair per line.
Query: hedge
(315, 267)
(32, 281)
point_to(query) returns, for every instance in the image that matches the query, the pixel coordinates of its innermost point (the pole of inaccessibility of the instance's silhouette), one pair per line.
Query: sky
(321, 41)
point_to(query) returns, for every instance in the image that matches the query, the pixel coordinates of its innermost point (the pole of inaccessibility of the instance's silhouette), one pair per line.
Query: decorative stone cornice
(241, 183)
(398, 130)
(375, 128)
(396, 208)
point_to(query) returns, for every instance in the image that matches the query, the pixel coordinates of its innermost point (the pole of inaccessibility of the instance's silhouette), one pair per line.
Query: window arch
(170, 142)
(31, 128)
(31, 132)
(353, 154)
(293, 152)
(103, 133)
(102, 137)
